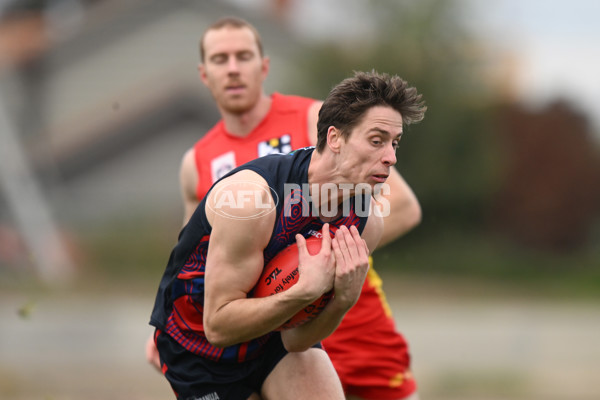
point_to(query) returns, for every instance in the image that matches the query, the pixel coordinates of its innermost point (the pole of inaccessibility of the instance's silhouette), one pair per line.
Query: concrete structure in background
(110, 100)
(32, 214)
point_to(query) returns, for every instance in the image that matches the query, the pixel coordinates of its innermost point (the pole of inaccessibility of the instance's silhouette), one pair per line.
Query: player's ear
(202, 73)
(334, 139)
(265, 66)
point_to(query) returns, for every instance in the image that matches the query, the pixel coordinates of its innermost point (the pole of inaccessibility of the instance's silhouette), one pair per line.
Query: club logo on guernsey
(222, 165)
(280, 145)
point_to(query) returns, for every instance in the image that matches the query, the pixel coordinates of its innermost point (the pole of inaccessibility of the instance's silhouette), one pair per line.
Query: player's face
(370, 151)
(233, 69)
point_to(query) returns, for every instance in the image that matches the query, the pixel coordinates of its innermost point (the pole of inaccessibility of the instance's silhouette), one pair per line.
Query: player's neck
(323, 177)
(241, 124)
(323, 169)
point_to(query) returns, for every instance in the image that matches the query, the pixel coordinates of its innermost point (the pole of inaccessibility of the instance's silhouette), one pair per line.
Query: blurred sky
(557, 43)
(554, 43)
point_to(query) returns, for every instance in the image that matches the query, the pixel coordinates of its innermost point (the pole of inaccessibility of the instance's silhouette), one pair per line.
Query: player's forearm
(304, 336)
(404, 215)
(248, 318)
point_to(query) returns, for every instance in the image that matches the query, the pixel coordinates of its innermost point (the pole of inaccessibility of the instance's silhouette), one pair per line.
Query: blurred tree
(450, 159)
(549, 196)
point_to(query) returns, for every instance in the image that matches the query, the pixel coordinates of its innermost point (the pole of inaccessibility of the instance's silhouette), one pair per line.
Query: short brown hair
(233, 22)
(348, 102)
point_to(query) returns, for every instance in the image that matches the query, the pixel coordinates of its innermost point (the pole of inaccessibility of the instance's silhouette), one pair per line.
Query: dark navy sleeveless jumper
(179, 302)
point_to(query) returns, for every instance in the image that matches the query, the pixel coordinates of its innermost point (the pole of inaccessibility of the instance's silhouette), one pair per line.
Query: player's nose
(389, 155)
(232, 65)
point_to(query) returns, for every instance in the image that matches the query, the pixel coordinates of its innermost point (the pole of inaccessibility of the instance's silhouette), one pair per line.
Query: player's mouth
(380, 178)
(235, 88)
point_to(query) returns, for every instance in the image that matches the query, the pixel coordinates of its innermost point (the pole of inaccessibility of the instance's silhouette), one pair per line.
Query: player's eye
(245, 56)
(219, 59)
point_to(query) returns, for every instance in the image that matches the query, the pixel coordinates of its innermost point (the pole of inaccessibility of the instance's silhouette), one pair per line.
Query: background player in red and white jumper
(369, 354)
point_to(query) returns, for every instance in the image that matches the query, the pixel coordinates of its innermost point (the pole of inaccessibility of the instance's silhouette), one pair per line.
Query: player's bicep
(403, 202)
(241, 229)
(188, 182)
(233, 264)
(373, 229)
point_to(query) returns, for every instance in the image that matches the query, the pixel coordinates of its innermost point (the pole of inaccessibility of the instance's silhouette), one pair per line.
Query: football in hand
(281, 273)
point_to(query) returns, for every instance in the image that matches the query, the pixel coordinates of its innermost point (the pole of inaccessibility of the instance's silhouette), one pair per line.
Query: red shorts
(370, 356)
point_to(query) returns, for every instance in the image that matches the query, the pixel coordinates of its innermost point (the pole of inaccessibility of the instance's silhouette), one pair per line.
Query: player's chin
(371, 182)
(236, 105)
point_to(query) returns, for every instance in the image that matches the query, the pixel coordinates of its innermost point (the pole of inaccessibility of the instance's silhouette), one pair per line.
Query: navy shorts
(196, 378)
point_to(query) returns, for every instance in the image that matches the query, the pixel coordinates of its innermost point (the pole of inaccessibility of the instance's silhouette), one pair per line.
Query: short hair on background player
(348, 102)
(233, 22)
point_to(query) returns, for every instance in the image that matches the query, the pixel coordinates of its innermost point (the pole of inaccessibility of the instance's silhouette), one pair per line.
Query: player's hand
(316, 273)
(351, 264)
(152, 353)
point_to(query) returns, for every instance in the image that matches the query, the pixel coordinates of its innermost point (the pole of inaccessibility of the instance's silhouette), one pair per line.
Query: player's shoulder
(189, 157)
(290, 100)
(242, 179)
(243, 194)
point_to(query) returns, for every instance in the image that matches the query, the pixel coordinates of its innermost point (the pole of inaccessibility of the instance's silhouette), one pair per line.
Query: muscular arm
(188, 181)
(234, 263)
(404, 209)
(350, 275)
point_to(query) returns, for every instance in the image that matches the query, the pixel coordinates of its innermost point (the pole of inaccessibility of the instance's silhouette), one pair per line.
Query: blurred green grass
(470, 255)
(133, 254)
